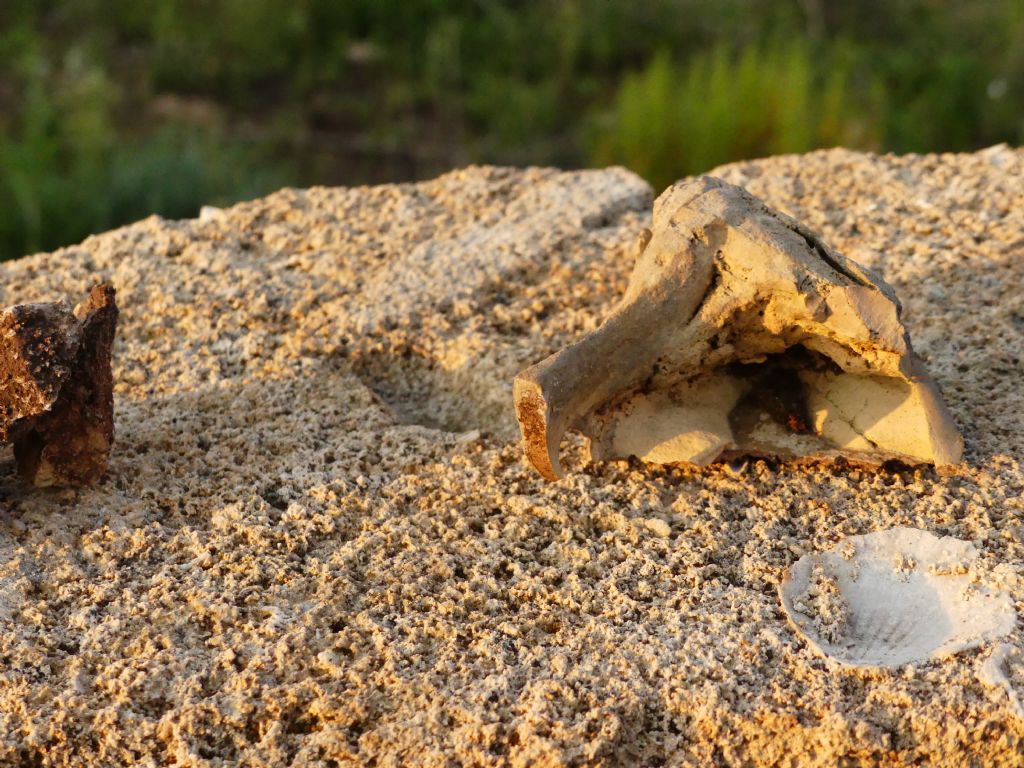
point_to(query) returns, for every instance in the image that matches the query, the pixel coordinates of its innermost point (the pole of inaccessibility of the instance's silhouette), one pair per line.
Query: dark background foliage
(114, 109)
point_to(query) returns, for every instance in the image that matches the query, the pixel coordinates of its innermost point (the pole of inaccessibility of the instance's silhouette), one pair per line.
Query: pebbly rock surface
(318, 542)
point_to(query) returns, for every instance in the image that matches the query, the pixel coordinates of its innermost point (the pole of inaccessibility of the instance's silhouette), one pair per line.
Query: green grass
(114, 109)
(66, 170)
(671, 120)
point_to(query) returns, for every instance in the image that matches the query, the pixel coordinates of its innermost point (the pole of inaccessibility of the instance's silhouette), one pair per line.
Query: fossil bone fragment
(894, 597)
(740, 333)
(56, 387)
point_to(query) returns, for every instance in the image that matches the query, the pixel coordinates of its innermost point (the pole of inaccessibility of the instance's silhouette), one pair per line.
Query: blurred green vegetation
(114, 109)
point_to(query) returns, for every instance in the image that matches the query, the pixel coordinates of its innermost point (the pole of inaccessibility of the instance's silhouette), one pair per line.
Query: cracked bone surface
(740, 333)
(56, 387)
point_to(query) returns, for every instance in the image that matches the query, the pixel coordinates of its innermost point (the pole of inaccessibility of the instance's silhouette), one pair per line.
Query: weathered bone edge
(740, 333)
(56, 388)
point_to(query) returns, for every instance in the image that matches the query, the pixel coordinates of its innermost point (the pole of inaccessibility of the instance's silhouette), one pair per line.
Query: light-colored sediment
(318, 543)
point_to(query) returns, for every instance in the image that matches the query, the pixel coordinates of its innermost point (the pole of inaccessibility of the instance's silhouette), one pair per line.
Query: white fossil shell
(894, 597)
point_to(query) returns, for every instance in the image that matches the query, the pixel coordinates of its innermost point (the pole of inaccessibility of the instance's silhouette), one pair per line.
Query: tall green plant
(669, 121)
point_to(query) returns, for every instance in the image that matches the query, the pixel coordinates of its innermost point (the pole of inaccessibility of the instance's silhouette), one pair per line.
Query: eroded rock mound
(56, 387)
(311, 544)
(740, 333)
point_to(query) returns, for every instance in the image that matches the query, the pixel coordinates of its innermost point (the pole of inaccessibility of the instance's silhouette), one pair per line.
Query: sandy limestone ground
(318, 543)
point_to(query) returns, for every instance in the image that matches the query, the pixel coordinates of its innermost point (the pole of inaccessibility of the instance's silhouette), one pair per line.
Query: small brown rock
(56, 388)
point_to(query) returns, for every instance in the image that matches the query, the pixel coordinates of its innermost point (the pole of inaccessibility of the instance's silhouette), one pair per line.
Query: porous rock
(740, 333)
(317, 542)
